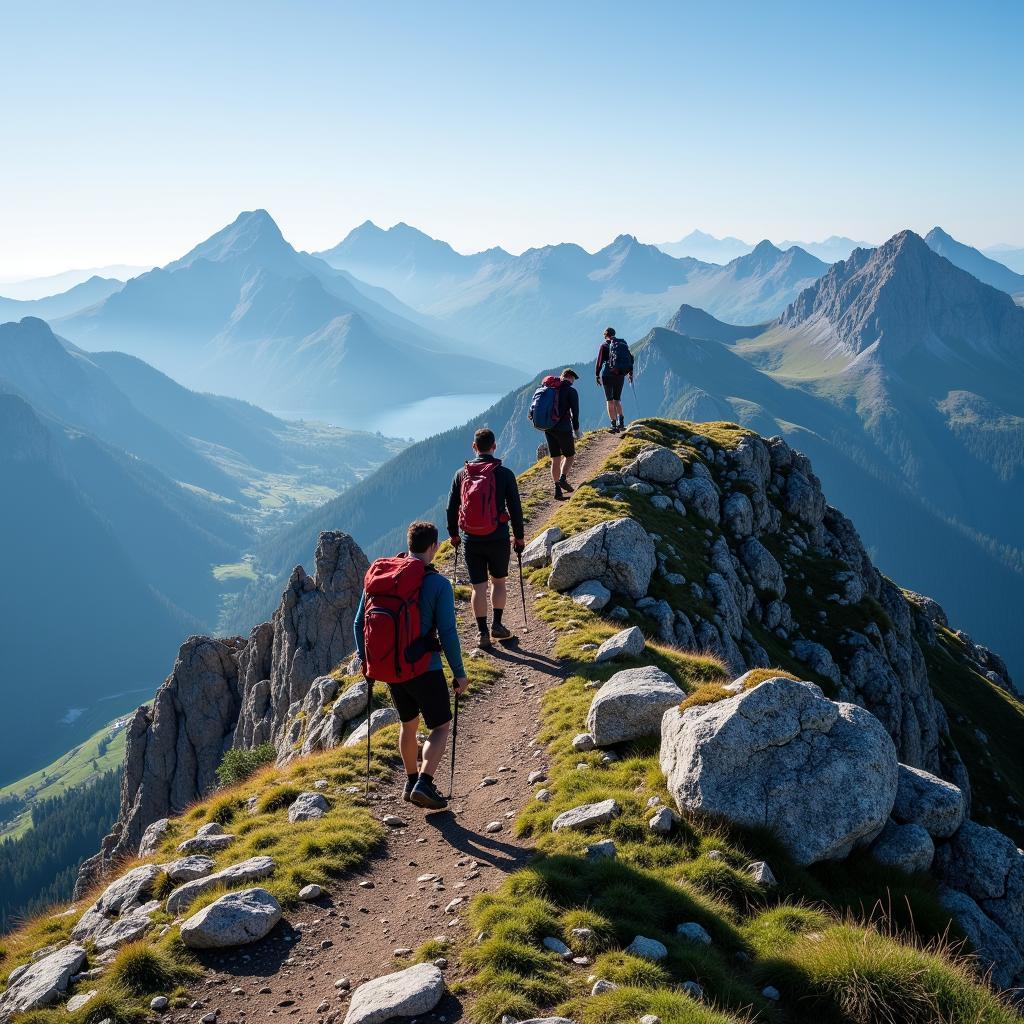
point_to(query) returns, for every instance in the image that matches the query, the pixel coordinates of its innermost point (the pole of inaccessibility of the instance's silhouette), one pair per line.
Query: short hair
(421, 536)
(570, 374)
(609, 332)
(484, 439)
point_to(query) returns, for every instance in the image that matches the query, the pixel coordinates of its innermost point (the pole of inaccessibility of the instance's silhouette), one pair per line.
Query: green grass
(243, 570)
(237, 765)
(79, 767)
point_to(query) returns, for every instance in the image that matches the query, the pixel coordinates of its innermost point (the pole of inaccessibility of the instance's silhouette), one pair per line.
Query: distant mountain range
(79, 296)
(55, 284)
(124, 491)
(244, 314)
(900, 374)
(1011, 256)
(976, 262)
(553, 302)
(705, 247)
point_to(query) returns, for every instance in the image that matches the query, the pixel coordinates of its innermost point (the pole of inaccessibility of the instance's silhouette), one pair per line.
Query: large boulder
(130, 890)
(42, 983)
(627, 643)
(766, 756)
(308, 806)
(409, 993)
(631, 705)
(249, 870)
(986, 865)
(538, 552)
(765, 571)
(187, 869)
(236, 919)
(619, 553)
(658, 465)
(991, 944)
(153, 836)
(926, 800)
(700, 495)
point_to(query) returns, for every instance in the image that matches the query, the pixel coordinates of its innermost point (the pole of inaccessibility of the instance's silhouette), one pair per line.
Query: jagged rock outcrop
(233, 692)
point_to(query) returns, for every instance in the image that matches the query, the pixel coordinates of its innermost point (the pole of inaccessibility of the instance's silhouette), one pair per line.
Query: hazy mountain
(81, 296)
(695, 323)
(706, 248)
(975, 262)
(831, 250)
(553, 302)
(56, 284)
(84, 623)
(244, 314)
(1011, 256)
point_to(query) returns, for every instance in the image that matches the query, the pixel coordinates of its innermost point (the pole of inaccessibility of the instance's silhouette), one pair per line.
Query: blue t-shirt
(437, 610)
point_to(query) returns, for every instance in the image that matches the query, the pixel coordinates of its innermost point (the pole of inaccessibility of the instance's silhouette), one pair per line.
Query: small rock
(543, 795)
(402, 951)
(76, 1002)
(537, 776)
(586, 815)
(493, 826)
(308, 807)
(416, 990)
(649, 949)
(489, 780)
(556, 946)
(310, 892)
(772, 993)
(691, 988)
(761, 873)
(441, 963)
(393, 821)
(342, 983)
(691, 931)
(601, 985)
(650, 1018)
(583, 742)
(159, 1003)
(604, 849)
(629, 643)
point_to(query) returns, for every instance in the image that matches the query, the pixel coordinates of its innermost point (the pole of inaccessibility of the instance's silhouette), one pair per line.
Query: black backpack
(620, 359)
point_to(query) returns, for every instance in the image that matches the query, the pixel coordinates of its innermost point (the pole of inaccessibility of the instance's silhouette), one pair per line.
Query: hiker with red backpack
(555, 409)
(484, 499)
(614, 365)
(406, 617)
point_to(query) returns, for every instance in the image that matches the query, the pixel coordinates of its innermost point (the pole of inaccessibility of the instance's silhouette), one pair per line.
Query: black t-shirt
(506, 494)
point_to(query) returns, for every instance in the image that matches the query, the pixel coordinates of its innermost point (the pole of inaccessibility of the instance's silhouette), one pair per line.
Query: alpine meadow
(511, 515)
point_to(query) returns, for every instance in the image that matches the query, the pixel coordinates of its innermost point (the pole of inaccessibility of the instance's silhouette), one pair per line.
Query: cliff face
(233, 692)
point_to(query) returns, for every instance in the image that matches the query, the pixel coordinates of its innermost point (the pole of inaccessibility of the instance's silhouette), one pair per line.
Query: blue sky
(130, 131)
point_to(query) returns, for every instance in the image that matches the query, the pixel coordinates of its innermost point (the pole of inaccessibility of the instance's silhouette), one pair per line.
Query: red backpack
(478, 499)
(395, 652)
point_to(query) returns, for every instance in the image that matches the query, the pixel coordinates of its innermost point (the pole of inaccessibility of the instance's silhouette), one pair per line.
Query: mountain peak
(766, 248)
(253, 233)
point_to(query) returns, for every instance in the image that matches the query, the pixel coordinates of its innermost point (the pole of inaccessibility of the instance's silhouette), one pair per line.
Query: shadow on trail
(485, 848)
(515, 654)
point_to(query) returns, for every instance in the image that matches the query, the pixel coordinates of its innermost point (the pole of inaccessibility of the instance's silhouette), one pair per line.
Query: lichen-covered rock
(42, 983)
(926, 800)
(738, 514)
(591, 594)
(700, 495)
(992, 945)
(631, 704)
(538, 552)
(765, 571)
(236, 919)
(586, 816)
(658, 465)
(409, 993)
(907, 847)
(187, 869)
(764, 757)
(308, 806)
(618, 553)
(380, 719)
(627, 643)
(649, 949)
(250, 870)
(153, 837)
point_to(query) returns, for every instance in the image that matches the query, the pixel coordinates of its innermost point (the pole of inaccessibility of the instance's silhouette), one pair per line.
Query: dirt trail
(402, 898)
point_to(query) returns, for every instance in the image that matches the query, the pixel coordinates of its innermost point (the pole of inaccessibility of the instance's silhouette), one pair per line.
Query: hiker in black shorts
(426, 694)
(614, 365)
(562, 437)
(484, 499)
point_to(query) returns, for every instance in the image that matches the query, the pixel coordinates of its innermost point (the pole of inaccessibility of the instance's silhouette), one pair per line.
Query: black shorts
(560, 442)
(426, 695)
(613, 383)
(488, 557)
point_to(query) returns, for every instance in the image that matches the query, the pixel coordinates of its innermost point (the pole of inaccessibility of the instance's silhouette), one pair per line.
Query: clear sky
(129, 131)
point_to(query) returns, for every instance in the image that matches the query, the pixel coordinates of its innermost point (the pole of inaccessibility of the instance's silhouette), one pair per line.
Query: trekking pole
(522, 589)
(636, 404)
(455, 567)
(455, 734)
(369, 716)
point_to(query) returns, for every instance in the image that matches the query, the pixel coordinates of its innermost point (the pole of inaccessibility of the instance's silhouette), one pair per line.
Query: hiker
(555, 409)
(483, 500)
(614, 365)
(406, 617)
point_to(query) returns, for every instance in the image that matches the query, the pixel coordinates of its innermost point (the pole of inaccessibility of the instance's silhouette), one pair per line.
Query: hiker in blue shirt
(425, 695)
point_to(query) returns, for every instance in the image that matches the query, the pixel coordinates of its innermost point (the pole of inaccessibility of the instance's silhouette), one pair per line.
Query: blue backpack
(544, 410)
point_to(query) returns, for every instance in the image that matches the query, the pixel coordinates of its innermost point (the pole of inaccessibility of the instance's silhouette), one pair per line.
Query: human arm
(444, 622)
(357, 628)
(574, 409)
(452, 516)
(602, 355)
(514, 506)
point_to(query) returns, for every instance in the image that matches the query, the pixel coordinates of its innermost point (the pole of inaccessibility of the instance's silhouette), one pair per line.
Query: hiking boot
(559, 496)
(424, 794)
(565, 485)
(613, 429)
(501, 632)
(485, 641)
(407, 792)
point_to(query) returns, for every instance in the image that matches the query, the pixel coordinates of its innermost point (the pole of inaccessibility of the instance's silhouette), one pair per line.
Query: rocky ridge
(238, 692)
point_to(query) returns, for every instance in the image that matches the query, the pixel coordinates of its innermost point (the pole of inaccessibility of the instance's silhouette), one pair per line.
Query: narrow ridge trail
(404, 895)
